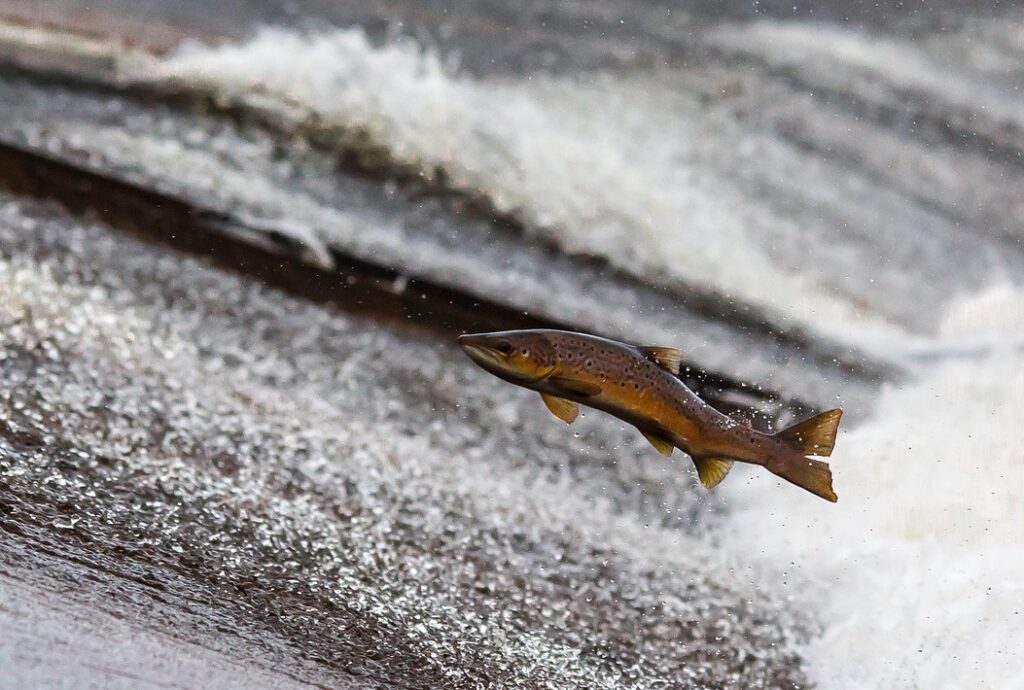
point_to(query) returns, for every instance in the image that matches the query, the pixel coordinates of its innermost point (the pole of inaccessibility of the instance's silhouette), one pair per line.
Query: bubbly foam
(949, 71)
(917, 569)
(615, 166)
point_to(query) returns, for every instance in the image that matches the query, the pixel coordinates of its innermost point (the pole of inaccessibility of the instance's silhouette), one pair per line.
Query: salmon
(641, 386)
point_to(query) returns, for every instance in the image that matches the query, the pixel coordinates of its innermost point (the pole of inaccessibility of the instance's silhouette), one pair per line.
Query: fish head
(521, 357)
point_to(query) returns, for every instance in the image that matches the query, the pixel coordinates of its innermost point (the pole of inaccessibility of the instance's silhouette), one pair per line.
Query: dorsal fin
(665, 357)
(712, 470)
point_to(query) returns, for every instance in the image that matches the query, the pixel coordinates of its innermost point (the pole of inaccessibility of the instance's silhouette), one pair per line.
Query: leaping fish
(640, 386)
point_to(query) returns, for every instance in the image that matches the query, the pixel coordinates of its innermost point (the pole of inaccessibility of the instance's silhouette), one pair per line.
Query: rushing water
(693, 173)
(848, 184)
(799, 207)
(917, 570)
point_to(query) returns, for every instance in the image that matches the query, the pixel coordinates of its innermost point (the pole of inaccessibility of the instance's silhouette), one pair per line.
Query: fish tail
(813, 475)
(814, 436)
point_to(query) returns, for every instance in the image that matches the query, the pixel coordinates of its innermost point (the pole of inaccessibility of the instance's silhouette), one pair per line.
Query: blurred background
(238, 447)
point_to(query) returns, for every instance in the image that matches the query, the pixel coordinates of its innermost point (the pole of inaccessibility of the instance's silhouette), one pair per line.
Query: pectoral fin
(566, 410)
(666, 357)
(712, 470)
(660, 444)
(577, 387)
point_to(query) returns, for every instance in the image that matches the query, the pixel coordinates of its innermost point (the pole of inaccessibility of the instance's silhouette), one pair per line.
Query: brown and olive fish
(639, 385)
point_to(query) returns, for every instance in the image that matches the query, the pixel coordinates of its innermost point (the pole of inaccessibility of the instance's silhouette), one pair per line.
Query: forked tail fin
(813, 475)
(814, 436)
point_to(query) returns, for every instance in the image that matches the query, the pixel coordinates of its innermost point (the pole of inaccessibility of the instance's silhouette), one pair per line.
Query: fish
(641, 386)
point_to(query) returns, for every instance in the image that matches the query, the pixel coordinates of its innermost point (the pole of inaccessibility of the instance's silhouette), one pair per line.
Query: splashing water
(614, 166)
(915, 573)
(917, 568)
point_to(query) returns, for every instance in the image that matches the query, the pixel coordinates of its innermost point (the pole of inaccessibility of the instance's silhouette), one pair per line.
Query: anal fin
(712, 470)
(662, 445)
(566, 410)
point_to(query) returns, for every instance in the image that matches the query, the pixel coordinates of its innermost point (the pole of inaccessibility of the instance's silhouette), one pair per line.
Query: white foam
(974, 327)
(837, 54)
(916, 571)
(997, 312)
(611, 167)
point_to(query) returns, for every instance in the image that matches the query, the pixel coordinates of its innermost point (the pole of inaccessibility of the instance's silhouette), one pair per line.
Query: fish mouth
(480, 350)
(476, 347)
(481, 354)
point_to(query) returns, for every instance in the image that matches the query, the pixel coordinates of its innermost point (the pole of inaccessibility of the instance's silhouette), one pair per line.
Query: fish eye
(505, 347)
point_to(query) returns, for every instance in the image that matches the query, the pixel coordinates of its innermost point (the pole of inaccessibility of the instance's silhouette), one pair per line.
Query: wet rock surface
(175, 435)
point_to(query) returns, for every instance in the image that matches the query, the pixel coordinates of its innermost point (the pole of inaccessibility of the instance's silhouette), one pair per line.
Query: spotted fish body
(639, 385)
